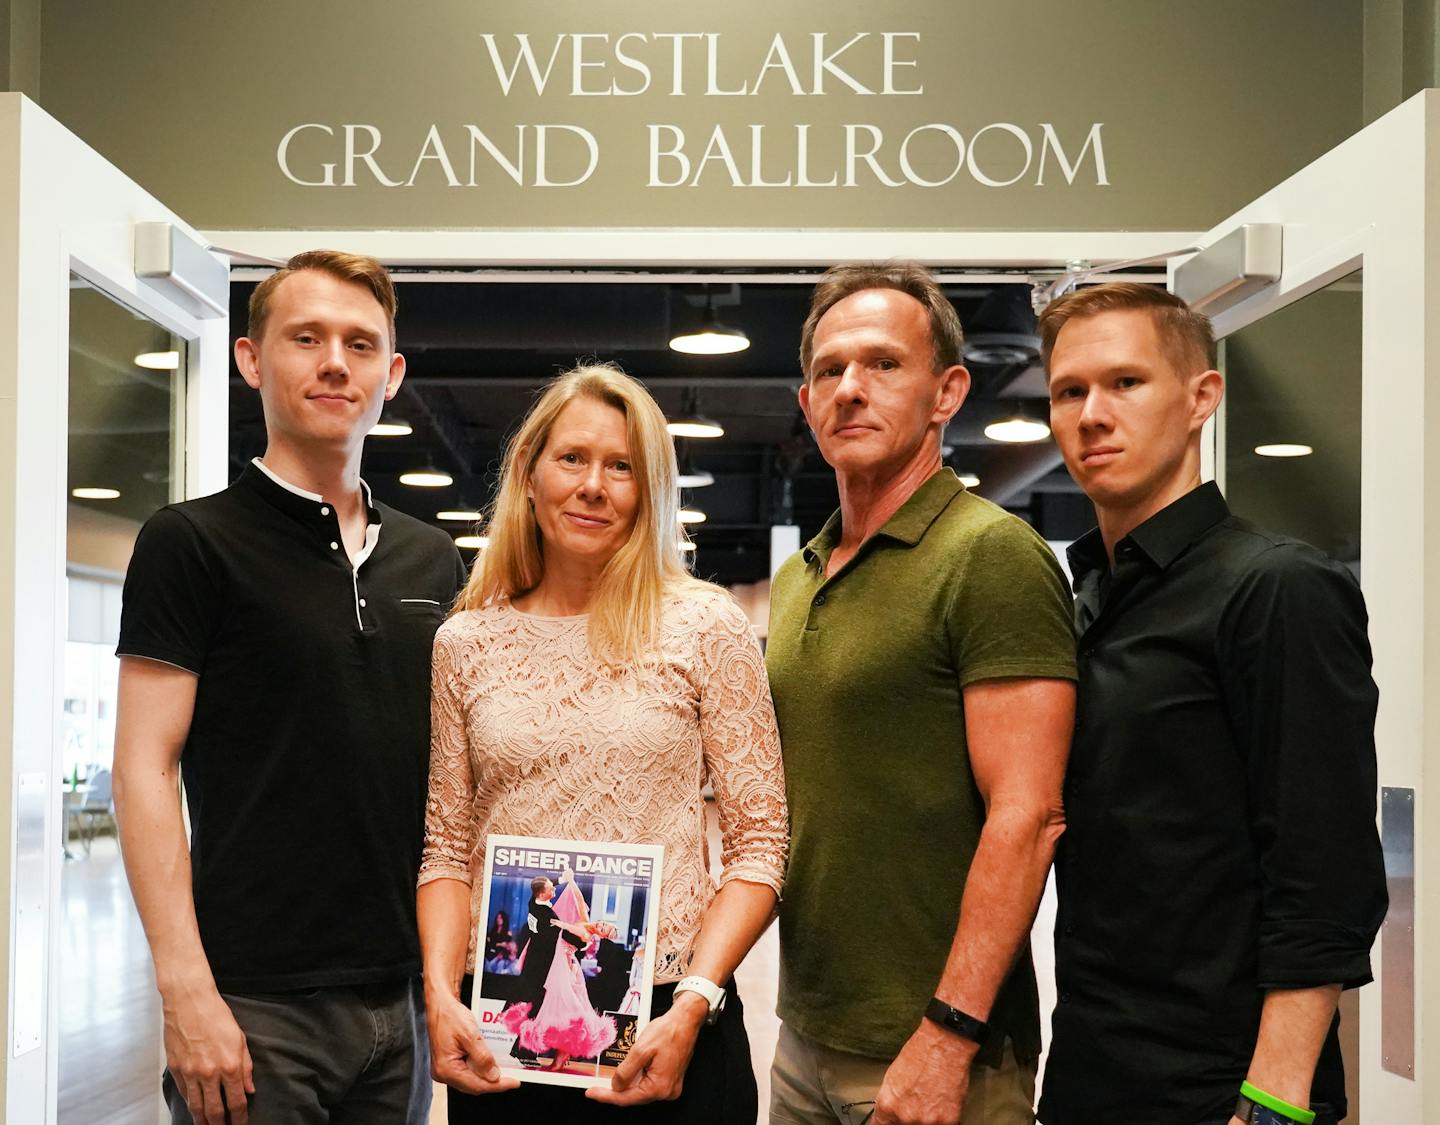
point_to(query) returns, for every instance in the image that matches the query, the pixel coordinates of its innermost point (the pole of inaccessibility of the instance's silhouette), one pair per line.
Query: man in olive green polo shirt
(922, 660)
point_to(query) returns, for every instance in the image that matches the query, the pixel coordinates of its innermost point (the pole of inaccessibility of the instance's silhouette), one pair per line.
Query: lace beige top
(531, 736)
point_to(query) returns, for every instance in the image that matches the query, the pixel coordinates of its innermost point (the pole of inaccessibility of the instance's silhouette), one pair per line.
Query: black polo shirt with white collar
(306, 762)
(1220, 810)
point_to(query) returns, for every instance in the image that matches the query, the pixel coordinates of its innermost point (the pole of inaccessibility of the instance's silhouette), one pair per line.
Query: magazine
(563, 955)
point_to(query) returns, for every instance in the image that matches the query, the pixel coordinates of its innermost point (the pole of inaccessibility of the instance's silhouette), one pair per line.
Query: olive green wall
(20, 46)
(1195, 108)
(1402, 51)
(1199, 108)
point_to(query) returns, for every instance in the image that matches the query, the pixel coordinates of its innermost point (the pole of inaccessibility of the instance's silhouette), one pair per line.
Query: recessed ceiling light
(392, 427)
(95, 493)
(1284, 449)
(459, 515)
(695, 478)
(691, 515)
(686, 546)
(695, 427)
(427, 478)
(472, 542)
(1017, 430)
(969, 480)
(158, 361)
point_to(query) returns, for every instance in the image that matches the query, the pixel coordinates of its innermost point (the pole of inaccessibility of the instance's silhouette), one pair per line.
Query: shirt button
(362, 603)
(819, 599)
(324, 510)
(334, 546)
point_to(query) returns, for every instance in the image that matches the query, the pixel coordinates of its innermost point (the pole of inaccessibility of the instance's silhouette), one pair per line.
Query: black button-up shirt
(1221, 810)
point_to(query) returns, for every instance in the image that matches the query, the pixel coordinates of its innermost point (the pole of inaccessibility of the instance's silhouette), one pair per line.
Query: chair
(99, 804)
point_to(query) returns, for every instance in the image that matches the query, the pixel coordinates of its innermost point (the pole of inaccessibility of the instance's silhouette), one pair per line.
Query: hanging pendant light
(695, 478)
(428, 477)
(391, 426)
(1017, 428)
(712, 337)
(691, 423)
(690, 476)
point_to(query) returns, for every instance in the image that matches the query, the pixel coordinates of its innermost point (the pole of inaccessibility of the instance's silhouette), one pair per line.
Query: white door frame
(63, 209)
(1372, 202)
(699, 247)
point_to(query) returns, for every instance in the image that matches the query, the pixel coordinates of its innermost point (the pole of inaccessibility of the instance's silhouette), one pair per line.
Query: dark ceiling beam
(1028, 464)
(443, 414)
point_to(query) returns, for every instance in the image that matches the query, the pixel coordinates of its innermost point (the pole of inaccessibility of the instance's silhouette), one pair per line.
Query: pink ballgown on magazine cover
(565, 1023)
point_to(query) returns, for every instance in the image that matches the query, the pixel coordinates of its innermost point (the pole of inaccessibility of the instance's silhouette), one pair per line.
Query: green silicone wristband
(1279, 1105)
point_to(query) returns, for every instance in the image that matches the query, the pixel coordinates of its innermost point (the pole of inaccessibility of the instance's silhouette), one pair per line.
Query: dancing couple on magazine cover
(552, 987)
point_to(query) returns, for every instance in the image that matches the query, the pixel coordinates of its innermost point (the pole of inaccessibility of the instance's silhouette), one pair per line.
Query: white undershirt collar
(372, 527)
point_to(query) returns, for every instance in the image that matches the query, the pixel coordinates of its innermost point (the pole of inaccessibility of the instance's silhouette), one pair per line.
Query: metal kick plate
(1397, 936)
(28, 1014)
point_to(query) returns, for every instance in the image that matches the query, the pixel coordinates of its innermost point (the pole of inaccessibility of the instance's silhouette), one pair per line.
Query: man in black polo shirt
(275, 645)
(1220, 880)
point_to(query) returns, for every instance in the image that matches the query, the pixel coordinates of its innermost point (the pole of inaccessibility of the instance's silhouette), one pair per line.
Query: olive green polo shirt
(867, 669)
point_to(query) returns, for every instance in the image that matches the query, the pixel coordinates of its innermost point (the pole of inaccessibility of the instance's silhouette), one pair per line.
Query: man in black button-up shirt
(1220, 880)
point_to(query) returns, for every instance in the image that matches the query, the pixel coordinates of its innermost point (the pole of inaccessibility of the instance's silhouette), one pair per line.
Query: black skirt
(719, 1086)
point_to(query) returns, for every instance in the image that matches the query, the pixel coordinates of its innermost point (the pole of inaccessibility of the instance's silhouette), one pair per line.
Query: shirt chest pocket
(428, 612)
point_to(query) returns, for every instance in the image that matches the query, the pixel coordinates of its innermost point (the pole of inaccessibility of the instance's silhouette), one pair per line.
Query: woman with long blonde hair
(586, 687)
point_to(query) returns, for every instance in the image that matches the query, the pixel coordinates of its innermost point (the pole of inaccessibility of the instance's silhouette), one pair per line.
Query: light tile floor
(110, 1053)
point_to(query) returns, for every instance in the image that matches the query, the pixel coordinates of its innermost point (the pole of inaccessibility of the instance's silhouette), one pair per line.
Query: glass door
(1328, 434)
(1288, 440)
(125, 459)
(113, 401)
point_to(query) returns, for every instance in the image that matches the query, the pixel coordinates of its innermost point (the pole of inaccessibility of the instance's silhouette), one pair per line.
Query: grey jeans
(332, 1056)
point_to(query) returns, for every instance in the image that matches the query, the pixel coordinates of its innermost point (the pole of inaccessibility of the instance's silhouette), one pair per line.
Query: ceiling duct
(571, 320)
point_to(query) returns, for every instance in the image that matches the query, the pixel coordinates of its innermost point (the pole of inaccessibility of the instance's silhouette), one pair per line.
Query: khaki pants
(811, 1084)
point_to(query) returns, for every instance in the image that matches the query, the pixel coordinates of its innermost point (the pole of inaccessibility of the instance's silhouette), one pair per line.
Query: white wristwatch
(711, 992)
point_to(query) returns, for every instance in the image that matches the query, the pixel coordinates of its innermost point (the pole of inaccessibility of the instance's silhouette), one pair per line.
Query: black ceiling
(478, 351)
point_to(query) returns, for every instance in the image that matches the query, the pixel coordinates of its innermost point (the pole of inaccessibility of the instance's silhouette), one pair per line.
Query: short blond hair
(625, 613)
(356, 268)
(1185, 335)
